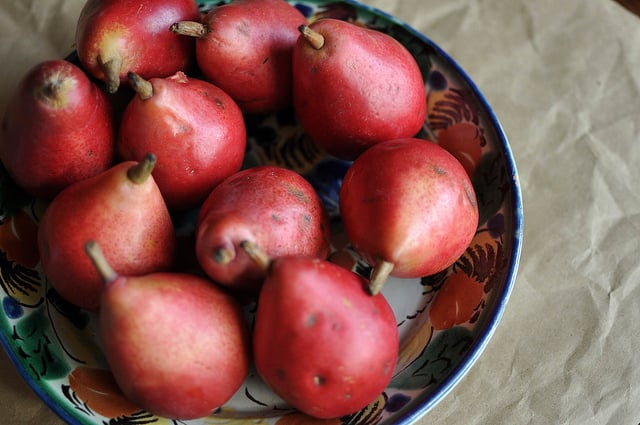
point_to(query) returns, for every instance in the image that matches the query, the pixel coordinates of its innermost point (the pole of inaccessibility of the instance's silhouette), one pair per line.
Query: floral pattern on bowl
(445, 320)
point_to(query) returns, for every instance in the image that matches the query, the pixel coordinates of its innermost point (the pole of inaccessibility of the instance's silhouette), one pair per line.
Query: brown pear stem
(315, 39)
(111, 70)
(140, 172)
(379, 276)
(256, 253)
(142, 87)
(106, 272)
(189, 28)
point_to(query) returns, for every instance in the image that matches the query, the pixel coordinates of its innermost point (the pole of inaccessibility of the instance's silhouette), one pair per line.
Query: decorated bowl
(445, 320)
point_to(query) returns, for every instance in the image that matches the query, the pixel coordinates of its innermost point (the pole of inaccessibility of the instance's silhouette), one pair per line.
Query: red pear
(245, 48)
(115, 37)
(177, 345)
(320, 340)
(58, 128)
(121, 208)
(194, 128)
(354, 87)
(409, 209)
(271, 206)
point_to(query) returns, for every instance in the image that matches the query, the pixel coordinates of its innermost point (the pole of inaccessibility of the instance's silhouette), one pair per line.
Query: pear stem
(379, 276)
(315, 39)
(189, 28)
(106, 272)
(139, 173)
(256, 253)
(111, 70)
(142, 87)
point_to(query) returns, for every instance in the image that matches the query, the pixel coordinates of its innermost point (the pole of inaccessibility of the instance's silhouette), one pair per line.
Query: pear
(271, 206)
(320, 340)
(408, 208)
(58, 128)
(194, 128)
(245, 47)
(123, 209)
(354, 87)
(115, 37)
(177, 345)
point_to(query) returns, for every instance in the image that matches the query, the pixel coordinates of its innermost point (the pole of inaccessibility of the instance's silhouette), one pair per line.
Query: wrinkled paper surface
(564, 80)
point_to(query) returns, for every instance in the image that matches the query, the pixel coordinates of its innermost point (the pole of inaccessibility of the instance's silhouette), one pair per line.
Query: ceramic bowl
(445, 320)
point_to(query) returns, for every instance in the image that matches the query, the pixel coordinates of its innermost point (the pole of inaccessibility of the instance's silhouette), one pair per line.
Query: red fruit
(121, 209)
(273, 207)
(320, 341)
(207, 356)
(178, 346)
(115, 37)
(194, 128)
(409, 208)
(245, 48)
(57, 129)
(354, 87)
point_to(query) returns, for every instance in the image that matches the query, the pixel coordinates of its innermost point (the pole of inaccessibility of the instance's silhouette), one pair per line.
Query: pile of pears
(115, 172)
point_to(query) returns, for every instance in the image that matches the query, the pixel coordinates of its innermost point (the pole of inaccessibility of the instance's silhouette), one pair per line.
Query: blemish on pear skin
(386, 367)
(244, 28)
(439, 170)
(470, 195)
(319, 380)
(298, 194)
(312, 319)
